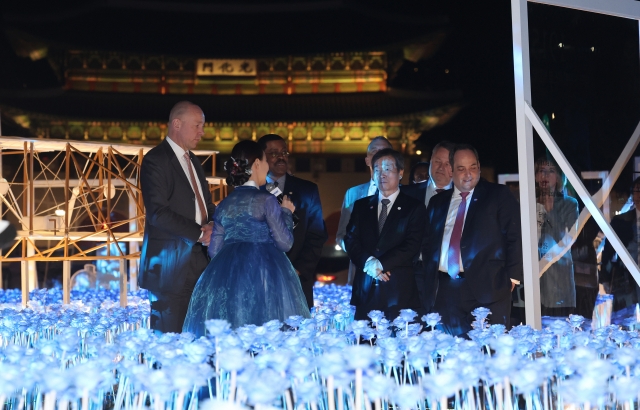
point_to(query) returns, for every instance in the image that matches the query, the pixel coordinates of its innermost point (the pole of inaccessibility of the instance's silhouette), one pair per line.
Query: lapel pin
(399, 208)
(371, 207)
(475, 199)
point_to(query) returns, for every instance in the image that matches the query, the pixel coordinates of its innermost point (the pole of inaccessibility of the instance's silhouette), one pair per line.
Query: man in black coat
(178, 210)
(439, 175)
(473, 247)
(439, 180)
(383, 237)
(614, 275)
(310, 233)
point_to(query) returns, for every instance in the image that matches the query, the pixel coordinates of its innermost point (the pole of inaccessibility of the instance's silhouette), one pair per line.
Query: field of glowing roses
(93, 354)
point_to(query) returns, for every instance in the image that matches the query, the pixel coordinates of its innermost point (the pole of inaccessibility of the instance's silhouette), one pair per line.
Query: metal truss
(71, 200)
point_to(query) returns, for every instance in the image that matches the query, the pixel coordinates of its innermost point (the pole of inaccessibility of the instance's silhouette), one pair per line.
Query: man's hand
(373, 268)
(384, 276)
(206, 234)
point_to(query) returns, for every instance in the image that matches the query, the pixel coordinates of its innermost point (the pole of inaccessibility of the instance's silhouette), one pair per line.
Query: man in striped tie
(383, 236)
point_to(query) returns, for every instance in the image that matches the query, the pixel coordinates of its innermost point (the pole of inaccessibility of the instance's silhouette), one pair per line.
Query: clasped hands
(206, 229)
(373, 268)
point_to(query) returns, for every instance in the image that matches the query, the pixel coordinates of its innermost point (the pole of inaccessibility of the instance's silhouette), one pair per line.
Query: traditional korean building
(326, 76)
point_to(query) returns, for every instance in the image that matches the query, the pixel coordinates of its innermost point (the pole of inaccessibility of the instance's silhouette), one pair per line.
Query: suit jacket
(170, 230)
(417, 191)
(309, 235)
(491, 243)
(350, 197)
(395, 247)
(625, 227)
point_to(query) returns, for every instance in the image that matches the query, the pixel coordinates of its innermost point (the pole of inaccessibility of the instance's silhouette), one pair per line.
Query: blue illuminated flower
(432, 319)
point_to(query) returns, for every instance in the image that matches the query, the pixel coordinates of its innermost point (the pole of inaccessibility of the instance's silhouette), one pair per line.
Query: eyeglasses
(278, 154)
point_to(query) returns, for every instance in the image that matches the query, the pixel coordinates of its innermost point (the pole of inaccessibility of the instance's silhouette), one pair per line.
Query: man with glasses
(310, 234)
(359, 191)
(384, 236)
(613, 274)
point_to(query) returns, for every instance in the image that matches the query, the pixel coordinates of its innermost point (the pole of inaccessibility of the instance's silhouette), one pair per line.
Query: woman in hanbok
(249, 280)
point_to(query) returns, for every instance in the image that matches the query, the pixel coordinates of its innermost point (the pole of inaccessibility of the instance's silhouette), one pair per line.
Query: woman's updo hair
(243, 155)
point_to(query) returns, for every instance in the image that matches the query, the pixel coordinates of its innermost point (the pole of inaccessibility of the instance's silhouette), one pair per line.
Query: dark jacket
(309, 235)
(624, 225)
(417, 191)
(491, 243)
(170, 230)
(395, 247)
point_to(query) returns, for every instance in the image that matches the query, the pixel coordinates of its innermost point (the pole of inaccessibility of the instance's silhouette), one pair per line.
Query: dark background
(592, 94)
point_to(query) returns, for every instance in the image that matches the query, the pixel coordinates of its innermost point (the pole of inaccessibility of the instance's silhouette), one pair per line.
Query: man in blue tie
(473, 247)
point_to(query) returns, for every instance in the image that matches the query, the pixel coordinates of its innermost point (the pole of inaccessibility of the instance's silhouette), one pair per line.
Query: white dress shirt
(391, 198)
(183, 162)
(281, 181)
(372, 266)
(456, 199)
(431, 190)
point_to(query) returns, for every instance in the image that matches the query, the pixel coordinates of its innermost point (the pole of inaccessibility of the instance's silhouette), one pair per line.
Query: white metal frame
(597, 175)
(548, 260)
(527, 119)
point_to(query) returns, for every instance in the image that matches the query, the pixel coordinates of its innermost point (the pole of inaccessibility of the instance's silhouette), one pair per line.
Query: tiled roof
(232, 108)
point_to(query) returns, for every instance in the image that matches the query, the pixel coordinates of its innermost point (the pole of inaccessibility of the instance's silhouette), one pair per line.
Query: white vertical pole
(32, 273)
(123, 283)
(134, 246)
(522, 79)
(24, 282)
(66, 282)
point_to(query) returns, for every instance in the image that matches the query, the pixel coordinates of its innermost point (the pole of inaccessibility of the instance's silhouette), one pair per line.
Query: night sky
(592, 95)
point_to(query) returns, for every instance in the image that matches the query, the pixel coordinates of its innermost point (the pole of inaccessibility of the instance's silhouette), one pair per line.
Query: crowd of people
(447, 242)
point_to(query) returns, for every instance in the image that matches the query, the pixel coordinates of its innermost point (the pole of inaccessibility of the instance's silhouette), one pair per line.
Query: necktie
(453, 260)
(383, 214)
(438, 190)
(194, 185)
(275, 184)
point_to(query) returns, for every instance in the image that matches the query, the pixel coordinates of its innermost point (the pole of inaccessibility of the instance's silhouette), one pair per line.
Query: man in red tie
(473, 249)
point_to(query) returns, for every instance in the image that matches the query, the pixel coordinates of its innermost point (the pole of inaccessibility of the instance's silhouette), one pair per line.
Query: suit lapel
(289, 189)
(477, 200)
(373, 214)
(440, 216)
(175, 163)
(199, 172)
(393, 214)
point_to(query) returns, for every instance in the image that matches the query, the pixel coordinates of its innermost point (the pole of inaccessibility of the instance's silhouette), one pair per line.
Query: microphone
(275, 191)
